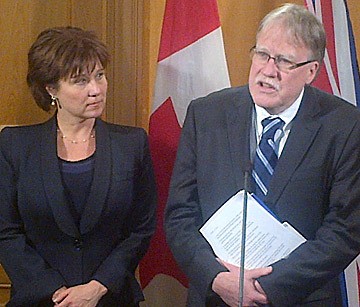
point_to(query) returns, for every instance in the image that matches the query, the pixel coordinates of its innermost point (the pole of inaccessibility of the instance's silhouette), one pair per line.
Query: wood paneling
(119, 23)
(123, 41)
(4, 287)
(131, 29)
(239, 20)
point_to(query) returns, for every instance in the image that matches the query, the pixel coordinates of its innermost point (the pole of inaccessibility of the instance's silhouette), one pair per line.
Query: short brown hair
(59, 53)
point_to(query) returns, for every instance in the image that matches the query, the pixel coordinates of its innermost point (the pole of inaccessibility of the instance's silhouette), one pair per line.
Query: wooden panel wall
(131, 29)
(118, 23)
(239, 20)
(115, 21)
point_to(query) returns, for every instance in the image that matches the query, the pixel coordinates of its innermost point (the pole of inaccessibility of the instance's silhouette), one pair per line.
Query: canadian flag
(340, 76)
(191, 64)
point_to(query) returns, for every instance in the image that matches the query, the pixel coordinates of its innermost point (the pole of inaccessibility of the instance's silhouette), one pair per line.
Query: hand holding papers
(267, 240)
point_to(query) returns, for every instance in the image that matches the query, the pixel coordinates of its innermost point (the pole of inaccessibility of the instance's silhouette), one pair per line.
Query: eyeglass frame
(294, 65)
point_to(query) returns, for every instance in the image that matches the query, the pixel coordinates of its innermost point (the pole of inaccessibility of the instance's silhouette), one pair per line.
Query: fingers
(226, 285)
(59, 295)
(81, 295)
(256, 273)
(259, 288)
(253, 273)
(228, 265)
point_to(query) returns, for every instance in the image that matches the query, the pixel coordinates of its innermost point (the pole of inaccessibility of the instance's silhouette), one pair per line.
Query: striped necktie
(267, 155)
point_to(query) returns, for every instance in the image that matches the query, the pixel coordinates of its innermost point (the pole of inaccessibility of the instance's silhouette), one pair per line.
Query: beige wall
(239, 21)
(117, 22)
(131, 29)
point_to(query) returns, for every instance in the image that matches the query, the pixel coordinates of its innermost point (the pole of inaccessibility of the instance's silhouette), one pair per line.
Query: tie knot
(271, 125)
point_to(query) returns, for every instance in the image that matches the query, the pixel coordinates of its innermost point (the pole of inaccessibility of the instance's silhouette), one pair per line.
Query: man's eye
(284, 61)
(262, 55)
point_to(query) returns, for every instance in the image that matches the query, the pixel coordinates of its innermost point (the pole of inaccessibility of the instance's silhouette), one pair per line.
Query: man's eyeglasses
(282, 63)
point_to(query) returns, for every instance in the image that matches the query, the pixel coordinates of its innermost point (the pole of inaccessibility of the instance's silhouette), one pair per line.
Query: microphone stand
(243, 239)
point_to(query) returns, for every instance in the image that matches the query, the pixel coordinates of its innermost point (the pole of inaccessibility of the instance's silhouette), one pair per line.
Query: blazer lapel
(52, 180)
(239, 121)
(101, 179)
(302, 134)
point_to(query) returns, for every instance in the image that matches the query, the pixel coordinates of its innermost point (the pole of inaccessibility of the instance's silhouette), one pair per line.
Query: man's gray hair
(301, 25)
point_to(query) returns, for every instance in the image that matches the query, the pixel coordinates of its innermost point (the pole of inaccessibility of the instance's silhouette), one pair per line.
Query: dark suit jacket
(41, 249)
(315, 187)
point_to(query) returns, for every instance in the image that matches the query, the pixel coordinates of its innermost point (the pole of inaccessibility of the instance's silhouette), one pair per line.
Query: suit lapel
(52, 180)
(302, 134)
(101, 179)
(239, 124)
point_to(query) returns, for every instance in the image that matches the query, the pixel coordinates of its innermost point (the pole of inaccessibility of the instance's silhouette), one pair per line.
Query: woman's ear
(51, 90)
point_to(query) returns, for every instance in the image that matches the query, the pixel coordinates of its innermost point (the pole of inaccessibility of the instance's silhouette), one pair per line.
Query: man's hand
(80, 296)
(226, 285)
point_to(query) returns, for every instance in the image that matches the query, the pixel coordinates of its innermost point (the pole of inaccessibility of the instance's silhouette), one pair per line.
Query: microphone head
(247, 175)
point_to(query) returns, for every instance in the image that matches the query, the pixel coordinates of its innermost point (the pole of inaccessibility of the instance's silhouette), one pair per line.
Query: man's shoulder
(330, 103)
(333, 112)
(223, 97)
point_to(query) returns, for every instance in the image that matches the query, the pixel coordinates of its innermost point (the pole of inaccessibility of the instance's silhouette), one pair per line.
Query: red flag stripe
(164, 133)
(191, 64)
(188, 21)
(328, 21)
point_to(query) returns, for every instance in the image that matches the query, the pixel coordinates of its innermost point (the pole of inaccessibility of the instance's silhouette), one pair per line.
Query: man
(315, 186)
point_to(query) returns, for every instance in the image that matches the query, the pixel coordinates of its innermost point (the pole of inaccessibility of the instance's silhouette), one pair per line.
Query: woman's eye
(100, 75)
(81, 81)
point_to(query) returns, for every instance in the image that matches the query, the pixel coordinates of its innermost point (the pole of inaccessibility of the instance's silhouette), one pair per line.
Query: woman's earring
(55, 101)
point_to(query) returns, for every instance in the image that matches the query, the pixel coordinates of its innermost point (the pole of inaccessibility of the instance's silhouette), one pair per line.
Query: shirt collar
(287, 115)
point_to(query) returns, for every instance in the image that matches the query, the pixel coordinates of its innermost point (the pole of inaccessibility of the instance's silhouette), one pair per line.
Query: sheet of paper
(267, 240)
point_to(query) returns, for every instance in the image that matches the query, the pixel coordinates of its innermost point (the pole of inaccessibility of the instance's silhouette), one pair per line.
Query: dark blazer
(315, 187)
(41, 248)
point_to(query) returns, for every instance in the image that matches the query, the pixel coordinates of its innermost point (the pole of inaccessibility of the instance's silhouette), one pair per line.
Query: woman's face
(82, 96)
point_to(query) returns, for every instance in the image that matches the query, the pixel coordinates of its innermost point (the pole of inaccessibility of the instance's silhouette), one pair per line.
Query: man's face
(271, 88)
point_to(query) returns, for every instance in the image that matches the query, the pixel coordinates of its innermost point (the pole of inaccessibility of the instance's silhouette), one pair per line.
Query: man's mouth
(268, 85)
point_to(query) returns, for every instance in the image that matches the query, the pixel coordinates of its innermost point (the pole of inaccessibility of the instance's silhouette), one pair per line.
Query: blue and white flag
(340, 76)
(340, 73)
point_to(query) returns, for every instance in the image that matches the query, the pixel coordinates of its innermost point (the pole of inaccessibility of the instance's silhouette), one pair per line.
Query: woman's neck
(76, 141)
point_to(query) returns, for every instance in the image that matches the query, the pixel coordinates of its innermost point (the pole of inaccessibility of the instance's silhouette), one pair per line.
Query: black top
(77, 177)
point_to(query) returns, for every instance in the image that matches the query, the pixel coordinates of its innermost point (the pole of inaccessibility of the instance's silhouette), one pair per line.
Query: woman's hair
(60, 53)
(303, 27)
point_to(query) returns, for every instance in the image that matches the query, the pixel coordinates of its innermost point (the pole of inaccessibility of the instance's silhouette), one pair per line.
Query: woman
(77, 194)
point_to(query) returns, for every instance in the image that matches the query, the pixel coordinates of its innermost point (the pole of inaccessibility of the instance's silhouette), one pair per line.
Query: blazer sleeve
(25, 267)
(183, 216)
(337, 241)
(122, 261)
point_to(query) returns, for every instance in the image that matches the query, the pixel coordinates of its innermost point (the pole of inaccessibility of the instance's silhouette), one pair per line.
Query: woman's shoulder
(23, 132)
(28, 128)
(124, 129)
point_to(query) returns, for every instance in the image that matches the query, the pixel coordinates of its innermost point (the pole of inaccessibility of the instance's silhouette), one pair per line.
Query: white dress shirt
(287, 116)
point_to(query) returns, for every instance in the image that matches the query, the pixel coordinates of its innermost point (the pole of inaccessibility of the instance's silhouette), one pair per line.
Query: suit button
(78, 244)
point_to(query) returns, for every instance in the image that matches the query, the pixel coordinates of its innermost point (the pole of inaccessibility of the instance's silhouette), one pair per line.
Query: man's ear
(313, 71)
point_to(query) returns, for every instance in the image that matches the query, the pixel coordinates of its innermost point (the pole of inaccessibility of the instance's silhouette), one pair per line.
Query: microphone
(247, 168)
(247, 173)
